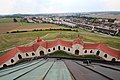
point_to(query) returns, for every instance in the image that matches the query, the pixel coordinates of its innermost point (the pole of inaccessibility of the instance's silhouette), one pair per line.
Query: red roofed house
(76, 47)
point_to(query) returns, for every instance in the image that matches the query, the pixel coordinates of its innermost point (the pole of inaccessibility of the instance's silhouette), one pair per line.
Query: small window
(12, 61)
(97, 53)
(85, 51)
(64, 48)
(19, 56)
(27, 54)
(113, 59)
(48, 50)
(105, 55)
(68, 49)
(4, 65)
(33, 54)
(53, 48)
(91, 51)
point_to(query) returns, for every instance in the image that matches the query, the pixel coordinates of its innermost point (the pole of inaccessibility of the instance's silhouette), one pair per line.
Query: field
(6, 20)
(112, 16)
(16, 39)
(7, 25)
(67, 55)
(32, 26)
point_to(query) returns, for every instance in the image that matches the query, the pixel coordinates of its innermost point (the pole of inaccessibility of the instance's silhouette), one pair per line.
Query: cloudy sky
(57, 6)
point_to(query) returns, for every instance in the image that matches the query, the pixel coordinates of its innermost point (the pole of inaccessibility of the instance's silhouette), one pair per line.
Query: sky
(56, 6)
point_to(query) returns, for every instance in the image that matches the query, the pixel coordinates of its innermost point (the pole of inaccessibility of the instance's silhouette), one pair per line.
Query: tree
(15, 20)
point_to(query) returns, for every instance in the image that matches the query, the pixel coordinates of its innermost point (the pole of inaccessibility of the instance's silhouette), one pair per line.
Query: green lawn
(12, 40)
(8, 20)
(64, 54)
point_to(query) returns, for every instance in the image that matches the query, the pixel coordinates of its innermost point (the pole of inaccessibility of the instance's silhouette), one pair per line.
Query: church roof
(8, 55)
(78, 41)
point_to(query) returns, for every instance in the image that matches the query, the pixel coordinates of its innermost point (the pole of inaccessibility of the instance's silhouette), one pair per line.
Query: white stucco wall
(40, 48)
(88, 52)
(77, 47)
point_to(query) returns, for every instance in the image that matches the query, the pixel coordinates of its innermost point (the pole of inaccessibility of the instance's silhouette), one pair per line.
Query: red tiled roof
(104, 48)
(78, 41)
(41, 43)
(8, 55)
(12, 53)
(51, 44)
(26, 49)
(108, 50)
(64, 43)
(54, 43)
(91, 46)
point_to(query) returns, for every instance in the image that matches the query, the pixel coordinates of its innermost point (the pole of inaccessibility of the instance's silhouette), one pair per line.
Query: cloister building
(75, 47)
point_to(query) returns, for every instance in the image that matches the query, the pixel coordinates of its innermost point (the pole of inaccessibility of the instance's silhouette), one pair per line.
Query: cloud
(112, 5)
(6, 6)
(25, 6)
(57, 6)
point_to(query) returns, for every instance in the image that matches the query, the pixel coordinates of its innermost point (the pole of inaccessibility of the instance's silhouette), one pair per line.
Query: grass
(8, 20)
(12, 40)
(64, 54)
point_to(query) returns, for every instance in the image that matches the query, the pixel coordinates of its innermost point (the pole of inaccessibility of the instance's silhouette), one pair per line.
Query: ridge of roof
(78, 41)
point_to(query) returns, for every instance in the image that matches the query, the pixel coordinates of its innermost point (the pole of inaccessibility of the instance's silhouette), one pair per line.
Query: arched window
(77, 52)
(85, 51)
(113, 59)
(68, 49)
(4, 65)
(53, 48)
(97, 53)
(27, 54)
(41, 53)
(64, 48)
(19, 56)
(33, 54)
(12, 61)
(58, 47)
(91, 51)
(48, 50)
(105, 55)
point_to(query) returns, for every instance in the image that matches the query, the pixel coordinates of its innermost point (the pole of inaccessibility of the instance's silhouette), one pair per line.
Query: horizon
(56, 7)
(59, 13)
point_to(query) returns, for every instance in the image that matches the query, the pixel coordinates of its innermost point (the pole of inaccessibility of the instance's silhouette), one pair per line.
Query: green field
(67, 55)
(8, 20)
